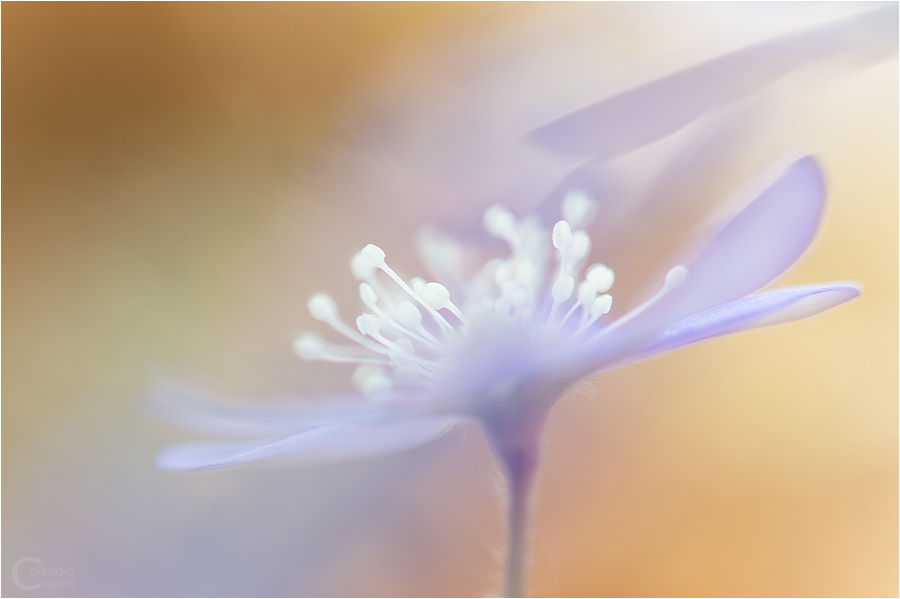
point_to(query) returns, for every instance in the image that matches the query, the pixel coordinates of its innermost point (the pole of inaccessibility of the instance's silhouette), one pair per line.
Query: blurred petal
(198, 410)
(642, 115)
(774, 307)
(347, 440)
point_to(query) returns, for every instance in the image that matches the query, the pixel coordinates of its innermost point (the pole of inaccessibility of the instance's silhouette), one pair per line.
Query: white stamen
(322, 307)
(514, 288)
(311, 347)
(601, 277)
(578, 208)
(562, 235)
(418, 284)
(601, 306)
(369, 325)
(587, 293)
(409, 315)
(361, 267)
(580, 247)
(435, 295)
(562, 289)
(500, 222)
(374, 256)
(676, 276)
(371, 379)
(368, 295)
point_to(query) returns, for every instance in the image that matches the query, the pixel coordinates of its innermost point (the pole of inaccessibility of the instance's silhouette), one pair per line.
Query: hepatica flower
(494, 340)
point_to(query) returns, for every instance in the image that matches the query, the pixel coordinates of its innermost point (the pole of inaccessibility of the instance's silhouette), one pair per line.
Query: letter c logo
(15, 574)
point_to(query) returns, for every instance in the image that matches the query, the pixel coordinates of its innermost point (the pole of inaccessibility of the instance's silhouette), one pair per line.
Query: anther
(374, 256)
(577, 207)
(676, 276)
(580, 246)
(361, 267)
(309, 347)
(368, 295)
(500, 222)
(562, 289)
(369, 325)
(322, 307)
(562, 235)
(371, 380)
(435, 295)
(601, 277)
(409, 315)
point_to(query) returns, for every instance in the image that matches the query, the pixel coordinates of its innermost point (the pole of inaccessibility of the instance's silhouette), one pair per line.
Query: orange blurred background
(180, 177)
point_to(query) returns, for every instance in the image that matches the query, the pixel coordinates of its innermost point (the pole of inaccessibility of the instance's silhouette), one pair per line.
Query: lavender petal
(348, 440)
(765, 309)
(642, 115)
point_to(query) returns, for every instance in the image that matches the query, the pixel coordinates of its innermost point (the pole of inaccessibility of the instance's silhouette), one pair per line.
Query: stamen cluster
(406, 339)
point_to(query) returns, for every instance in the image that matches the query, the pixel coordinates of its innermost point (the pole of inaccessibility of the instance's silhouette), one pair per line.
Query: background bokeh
(179, 178)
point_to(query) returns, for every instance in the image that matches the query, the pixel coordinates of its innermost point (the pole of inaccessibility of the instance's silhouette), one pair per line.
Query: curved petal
(199, 411)
(348, 440)
(765, 309)
(759, 244)
(642, 115)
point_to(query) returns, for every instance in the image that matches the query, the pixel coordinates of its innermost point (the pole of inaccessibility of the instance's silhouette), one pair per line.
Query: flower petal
(198, 410)
(346, 440)
(773, 307)
(642, 115)
(759, 244)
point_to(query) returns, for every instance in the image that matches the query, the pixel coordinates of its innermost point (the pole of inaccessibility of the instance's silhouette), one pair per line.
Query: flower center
(415, 337)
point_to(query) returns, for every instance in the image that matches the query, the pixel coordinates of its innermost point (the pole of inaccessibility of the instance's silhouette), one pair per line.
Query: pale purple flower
(505, 339)
(496, 336)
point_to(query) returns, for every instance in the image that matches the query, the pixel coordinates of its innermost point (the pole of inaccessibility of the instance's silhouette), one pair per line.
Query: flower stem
(516, 441)
(515, 578)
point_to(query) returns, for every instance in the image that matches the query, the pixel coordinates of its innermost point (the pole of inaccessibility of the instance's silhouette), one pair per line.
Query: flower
(497, 337)
(499, 344)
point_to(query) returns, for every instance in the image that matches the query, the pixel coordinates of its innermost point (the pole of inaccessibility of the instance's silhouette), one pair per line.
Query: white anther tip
(562, 289)
(581, 245)
(368, 324)
(417, 284)
(562, 235)
(371, 379)
(367, 294)
(322, 307)
(373, 255)
(360, 266)
(409, 315)
(601, 277)
(435, 295)
(308, 347)
(586, 294)
(676, 276)
(578, 207)
(602, 305)
(500, 222)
